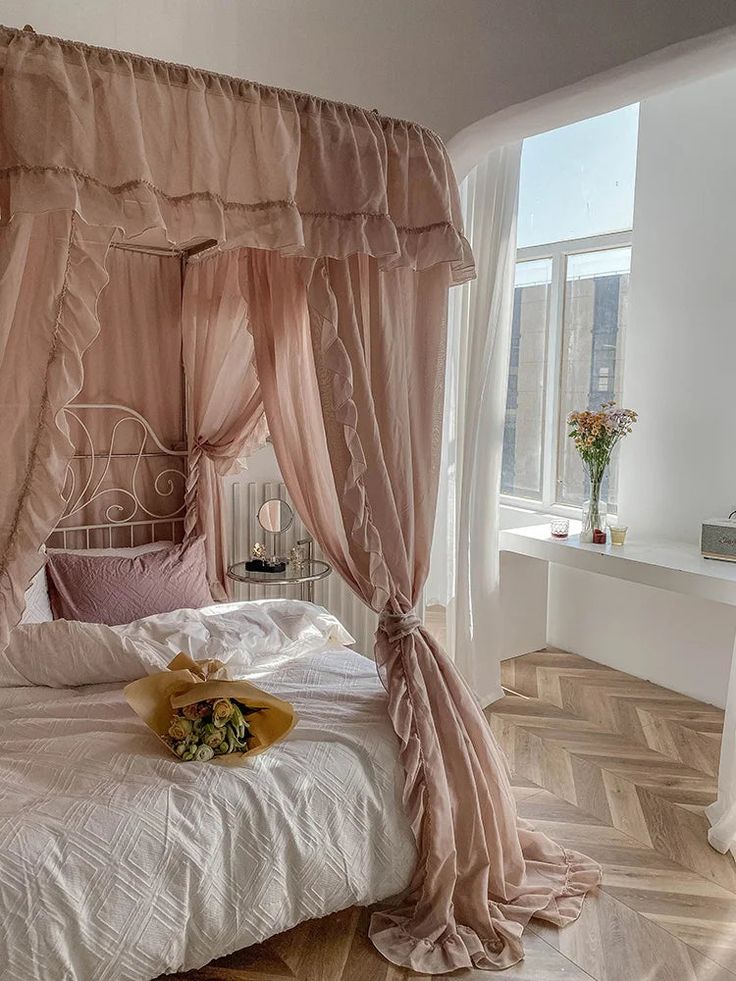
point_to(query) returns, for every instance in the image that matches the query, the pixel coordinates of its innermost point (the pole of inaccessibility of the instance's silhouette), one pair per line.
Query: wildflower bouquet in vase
(595, 435)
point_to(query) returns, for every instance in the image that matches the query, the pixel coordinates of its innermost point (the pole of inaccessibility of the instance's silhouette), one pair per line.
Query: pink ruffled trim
(461, 947)
(336, 361)
(172, 72)
(583, 874)
(140, 205)
(39, 506)
(560, 879)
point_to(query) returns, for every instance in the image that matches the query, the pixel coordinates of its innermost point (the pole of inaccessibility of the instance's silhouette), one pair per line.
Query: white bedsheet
(118, 863)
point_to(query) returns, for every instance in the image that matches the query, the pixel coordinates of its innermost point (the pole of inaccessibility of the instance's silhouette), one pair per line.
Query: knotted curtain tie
(396, 626)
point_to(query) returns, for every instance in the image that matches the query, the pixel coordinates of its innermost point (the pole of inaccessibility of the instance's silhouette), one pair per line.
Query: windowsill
(526, 506)
(537, 507)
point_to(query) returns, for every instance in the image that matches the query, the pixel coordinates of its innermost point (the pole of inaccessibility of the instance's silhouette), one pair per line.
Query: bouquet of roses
(202, 714)
(212, 727)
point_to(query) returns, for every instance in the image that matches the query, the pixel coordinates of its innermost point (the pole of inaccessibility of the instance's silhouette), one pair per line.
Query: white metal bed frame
(126, 509)
(130, 522)
(140, 521)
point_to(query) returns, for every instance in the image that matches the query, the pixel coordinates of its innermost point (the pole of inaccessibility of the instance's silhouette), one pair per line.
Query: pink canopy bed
(316, 243)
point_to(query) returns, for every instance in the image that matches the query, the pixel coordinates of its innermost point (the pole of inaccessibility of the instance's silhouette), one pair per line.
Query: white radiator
(332, 593)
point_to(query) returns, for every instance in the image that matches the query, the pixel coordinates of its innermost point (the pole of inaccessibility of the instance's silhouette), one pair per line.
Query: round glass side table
(305, 577)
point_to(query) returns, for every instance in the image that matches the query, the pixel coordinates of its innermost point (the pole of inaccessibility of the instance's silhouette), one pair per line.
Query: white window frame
(558, 252)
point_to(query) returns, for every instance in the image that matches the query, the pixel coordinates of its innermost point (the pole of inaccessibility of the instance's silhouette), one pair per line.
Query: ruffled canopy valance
(142, 145)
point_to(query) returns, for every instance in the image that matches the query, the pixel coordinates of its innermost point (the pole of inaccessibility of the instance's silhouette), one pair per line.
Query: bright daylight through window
(576, 205)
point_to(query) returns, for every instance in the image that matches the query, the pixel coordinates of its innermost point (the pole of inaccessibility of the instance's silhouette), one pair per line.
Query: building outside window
(570, 312)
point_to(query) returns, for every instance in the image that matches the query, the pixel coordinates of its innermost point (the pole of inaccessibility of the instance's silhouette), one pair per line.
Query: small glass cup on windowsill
(559, 527)
(618, 533)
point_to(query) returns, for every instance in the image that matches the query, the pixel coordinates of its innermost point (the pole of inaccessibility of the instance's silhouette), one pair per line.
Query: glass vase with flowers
(595, 435)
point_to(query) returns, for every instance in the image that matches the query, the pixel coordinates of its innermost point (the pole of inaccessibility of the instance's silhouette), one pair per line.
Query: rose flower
(222, 711)
(180, 728)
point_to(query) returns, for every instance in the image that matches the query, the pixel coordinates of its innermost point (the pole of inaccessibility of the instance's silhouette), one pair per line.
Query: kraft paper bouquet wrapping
(200, 714)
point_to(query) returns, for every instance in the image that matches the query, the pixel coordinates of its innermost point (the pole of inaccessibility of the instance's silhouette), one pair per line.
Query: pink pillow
(116, 590)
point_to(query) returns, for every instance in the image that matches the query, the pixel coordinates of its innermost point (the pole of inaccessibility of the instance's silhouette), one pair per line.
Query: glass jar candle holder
(618, 533)
(560, 527)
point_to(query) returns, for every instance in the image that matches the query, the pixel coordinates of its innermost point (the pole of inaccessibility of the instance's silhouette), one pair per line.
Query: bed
(118, 863)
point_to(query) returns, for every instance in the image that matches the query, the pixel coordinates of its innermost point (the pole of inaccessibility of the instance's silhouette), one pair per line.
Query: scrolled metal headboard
(130, 517)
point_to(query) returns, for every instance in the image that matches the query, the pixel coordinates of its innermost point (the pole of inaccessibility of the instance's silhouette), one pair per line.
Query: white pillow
(247, 634)
(297, 622)
(38, 605)
(241, 634)
(67, 653)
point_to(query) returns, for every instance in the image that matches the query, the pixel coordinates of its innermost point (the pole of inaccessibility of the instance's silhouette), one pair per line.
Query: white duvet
(118, 863)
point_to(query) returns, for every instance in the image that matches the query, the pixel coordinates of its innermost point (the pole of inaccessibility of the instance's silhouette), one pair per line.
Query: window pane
(596, 312)
(521, 472)
(578, 180)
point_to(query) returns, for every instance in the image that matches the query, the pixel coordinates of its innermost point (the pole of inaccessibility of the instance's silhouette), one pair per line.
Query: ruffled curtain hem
(462, 947)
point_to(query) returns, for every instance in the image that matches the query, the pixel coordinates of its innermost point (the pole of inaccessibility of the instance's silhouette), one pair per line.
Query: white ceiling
(445, 63)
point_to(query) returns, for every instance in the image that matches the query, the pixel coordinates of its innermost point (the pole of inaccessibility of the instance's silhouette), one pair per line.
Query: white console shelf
(675, 566)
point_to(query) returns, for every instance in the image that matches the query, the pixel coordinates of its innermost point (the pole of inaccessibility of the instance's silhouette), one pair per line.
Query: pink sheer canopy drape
(135, 361)
(166, 154)
(348, 232)
(351, 362)
(139, 144)
(226, 420)
(51, 274)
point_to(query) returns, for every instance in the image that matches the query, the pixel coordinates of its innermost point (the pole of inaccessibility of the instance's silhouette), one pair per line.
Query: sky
(579, 180)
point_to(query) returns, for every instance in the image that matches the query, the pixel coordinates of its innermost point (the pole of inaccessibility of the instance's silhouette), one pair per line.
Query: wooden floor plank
(612, 943)
(670, 723)
(692, 909)
(653, 798)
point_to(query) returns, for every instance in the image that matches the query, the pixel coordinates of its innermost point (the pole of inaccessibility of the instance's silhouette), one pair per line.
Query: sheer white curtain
(722, 814)
(464, 568)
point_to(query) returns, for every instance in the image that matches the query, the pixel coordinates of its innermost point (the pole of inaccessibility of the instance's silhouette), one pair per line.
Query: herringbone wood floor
(607, 764)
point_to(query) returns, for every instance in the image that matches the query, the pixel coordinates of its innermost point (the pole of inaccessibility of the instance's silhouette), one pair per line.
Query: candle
(618, 534)
(559, 527)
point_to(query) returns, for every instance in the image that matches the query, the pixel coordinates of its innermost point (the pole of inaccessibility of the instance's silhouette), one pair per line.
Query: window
(593, 327)
(521, 474)
(570, 301)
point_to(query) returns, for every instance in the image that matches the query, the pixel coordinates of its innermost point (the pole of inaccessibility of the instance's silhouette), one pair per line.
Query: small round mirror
(275, 516)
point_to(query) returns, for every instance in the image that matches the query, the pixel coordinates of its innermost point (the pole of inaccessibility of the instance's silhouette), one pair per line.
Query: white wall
(679, 467)
(445, 63)
(676, 641)
(681, 348)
